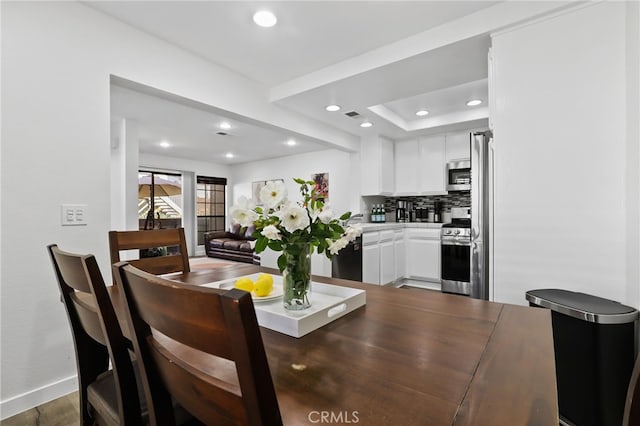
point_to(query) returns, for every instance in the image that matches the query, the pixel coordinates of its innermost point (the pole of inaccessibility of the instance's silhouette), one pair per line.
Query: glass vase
(296, 277)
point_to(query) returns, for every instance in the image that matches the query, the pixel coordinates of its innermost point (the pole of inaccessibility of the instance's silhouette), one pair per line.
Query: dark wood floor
(59, 412)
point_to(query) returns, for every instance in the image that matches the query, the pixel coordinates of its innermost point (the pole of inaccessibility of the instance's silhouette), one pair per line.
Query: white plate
(276, 292)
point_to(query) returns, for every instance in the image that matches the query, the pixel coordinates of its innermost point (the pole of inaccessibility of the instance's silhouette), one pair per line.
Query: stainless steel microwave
(459, 175)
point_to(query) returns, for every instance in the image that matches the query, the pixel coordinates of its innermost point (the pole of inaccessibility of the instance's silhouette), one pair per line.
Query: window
(210, 205)
(159, 200)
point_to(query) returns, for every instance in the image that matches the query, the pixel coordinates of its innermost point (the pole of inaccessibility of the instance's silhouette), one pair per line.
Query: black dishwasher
(347, 264)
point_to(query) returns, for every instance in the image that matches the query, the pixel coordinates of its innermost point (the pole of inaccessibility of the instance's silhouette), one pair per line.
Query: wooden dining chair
(107, 396)
(149, 240)
(632, 406)
(209, 354)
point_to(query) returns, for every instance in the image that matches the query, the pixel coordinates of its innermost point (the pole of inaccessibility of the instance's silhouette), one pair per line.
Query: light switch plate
(74, 214)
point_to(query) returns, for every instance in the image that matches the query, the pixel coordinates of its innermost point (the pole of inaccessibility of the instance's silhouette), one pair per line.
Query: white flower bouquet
(281, 223)
(296, 230)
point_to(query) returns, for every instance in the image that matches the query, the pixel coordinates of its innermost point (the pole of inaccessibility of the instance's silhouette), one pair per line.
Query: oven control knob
(457, 231)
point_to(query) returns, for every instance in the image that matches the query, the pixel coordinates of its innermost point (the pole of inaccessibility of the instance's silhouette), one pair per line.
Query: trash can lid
(583, 306)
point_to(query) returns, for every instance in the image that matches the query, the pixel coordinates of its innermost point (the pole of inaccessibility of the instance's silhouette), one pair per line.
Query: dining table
(409, 356)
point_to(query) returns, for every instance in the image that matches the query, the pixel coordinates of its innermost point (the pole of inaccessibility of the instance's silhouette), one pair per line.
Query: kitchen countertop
(370, 227)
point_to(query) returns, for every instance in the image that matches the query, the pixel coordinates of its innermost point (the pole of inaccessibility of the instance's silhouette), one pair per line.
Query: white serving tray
(328, 303)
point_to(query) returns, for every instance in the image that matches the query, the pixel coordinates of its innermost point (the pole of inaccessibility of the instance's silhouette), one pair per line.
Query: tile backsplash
(453, 199)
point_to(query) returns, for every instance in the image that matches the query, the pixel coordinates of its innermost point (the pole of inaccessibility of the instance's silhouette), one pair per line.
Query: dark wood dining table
(411, 357)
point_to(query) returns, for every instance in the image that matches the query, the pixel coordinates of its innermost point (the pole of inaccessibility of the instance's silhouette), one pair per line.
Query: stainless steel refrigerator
(481, 200)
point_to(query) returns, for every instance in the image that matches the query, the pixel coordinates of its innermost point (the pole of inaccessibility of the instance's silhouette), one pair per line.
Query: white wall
(560, 165)
(57, 58)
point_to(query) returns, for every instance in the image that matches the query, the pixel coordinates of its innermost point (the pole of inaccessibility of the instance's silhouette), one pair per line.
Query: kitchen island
(413, 357)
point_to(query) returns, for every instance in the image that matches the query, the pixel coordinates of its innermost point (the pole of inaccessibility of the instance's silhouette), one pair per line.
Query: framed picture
(257, 186)
(321, 182)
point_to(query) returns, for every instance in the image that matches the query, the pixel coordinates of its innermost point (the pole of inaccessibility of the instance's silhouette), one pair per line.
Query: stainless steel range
(455, 246)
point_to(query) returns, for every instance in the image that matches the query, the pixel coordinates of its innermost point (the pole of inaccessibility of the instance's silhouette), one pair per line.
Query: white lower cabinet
(392, 255)
(423, 254)
(370, 258)
(378, 257)
(387, 257)
(400, 255)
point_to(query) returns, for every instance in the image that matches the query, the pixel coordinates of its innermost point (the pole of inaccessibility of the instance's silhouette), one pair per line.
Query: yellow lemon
(263, 286)
(245, 284)
(267, 277)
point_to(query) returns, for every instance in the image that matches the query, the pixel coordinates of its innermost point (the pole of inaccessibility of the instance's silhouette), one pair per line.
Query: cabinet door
(376, 158)
(407, 155)
(400, 255)
(432, 165)
(424, 259)
(371, 264)
(387, 262)
(387, 176)
(423, 254)
(458, 146)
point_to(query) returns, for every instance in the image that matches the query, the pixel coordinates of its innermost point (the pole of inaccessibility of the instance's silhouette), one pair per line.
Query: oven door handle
(462, 243)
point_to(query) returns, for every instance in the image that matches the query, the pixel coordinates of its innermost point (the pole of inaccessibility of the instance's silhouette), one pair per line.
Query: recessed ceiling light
(474, 102)
(332, 108)
(422, 113)
(291, 142)
(366, 124)
(165, 144)
(229, 155)
(264, 18)
(225, 126)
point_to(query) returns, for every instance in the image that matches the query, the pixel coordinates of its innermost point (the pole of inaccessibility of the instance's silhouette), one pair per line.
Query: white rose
(272, 194)
(245, 217)
(244, 203)
(353, 231)
(326, 215)
(337, 245)
(294, 217)
(271, 232)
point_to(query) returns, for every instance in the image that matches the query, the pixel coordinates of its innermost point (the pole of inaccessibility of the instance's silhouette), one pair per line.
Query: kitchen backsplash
(454, 199)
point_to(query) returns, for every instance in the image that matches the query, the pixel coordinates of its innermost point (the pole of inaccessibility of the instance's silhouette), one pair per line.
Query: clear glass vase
(296, 277)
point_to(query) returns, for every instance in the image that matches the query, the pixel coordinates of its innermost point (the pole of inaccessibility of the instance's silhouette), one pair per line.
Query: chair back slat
(195, 391)
(193, 317)
(212, 321)
(97, 335)
(160, 265)
(88, 316)
(150, 239)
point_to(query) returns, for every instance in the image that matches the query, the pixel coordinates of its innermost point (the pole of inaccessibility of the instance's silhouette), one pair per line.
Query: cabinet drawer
(423, 233)
(369, 238)
(385, 236)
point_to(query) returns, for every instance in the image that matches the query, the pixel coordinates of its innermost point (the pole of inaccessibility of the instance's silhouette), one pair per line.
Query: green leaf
(282, 262)
(345, 216)
(275, 245)
(261, 244)
(337, 228)
(299, 181)
(258, 210)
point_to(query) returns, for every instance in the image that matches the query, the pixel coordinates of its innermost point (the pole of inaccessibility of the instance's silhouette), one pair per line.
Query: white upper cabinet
(407, 159)
(420, 166)
(432, 165)
(377, 166)
(458, 146)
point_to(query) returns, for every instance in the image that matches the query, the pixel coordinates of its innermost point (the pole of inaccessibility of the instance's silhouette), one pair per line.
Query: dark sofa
(232, 245)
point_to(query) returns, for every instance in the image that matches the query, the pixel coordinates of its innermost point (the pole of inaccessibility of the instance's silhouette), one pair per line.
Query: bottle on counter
(383, 213)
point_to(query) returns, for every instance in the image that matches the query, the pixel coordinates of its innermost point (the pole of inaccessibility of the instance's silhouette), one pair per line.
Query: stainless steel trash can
(594, 342)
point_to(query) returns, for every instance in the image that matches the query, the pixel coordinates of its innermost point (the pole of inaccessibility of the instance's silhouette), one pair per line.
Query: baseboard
(18, 404)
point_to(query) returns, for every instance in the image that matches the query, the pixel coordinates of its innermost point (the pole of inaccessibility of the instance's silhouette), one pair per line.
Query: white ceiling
(310, 40)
